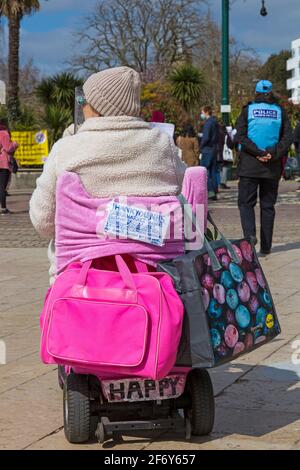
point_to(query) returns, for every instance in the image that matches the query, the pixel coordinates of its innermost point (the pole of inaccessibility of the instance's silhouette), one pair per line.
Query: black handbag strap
(187, 210)
(227, 243)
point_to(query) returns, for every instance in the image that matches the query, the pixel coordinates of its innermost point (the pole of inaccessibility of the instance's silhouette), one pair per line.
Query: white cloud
(49, 50)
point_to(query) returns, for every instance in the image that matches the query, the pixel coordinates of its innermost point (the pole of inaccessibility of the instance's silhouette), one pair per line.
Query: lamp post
(225, 107)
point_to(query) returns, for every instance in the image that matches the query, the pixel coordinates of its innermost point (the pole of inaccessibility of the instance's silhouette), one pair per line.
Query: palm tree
(56, 119)
(59, 89)
(187, 86)
(57, 94)
(15, 10)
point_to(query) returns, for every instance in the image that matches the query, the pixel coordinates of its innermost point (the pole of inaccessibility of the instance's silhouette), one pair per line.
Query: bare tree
(244, 64)
(142, 34)
(207, 56)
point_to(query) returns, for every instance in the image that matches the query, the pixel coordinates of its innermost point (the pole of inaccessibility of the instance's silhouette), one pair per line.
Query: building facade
(293, 65)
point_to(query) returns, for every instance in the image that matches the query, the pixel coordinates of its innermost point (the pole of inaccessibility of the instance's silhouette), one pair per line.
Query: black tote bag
(229, 310)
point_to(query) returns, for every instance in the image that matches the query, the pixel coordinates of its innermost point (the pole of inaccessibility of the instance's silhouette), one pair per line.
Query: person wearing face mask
(209, 149)
(264, 135)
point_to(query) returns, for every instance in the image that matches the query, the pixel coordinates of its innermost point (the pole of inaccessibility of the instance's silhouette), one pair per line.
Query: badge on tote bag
(136, 223)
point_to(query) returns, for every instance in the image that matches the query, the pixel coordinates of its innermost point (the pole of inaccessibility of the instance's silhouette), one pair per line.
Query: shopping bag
(229, 310)
(227, 152)
(112, 321)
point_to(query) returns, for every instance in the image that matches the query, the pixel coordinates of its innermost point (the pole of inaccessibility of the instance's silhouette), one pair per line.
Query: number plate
(143, 389)
(137, 224)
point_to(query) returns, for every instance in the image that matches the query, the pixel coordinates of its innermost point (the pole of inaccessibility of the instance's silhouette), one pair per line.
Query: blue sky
(47, 36)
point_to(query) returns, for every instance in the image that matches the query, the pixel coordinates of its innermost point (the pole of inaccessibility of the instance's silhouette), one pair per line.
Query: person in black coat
(209, 149)
(224, 137)
(264, 135)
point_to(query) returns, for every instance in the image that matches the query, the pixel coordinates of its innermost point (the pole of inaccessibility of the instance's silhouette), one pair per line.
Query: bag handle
(225, 240)
(188, 211)
(140, 266)
(122, 268)
(214, 260)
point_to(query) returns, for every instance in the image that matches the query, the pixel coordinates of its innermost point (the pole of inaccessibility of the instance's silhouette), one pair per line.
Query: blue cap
(264, 86)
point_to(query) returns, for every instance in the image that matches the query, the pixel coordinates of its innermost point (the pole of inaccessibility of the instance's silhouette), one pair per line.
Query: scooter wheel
(77, 409)
(201, 410)
(100, 433)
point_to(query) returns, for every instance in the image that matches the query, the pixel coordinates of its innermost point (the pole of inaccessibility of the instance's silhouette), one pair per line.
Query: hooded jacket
(248, 164)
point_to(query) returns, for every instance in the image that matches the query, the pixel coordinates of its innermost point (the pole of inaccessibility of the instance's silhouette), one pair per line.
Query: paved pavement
(257, 397)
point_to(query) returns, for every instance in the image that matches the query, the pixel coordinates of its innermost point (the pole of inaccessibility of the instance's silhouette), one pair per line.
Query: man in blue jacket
(209, 149)
(264, 136)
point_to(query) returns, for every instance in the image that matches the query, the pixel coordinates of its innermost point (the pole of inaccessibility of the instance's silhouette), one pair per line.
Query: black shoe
(213, 198)
(224, 186)
(264, 253)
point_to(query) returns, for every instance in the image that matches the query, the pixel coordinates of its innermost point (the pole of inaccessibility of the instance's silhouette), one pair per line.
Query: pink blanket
(80, 220)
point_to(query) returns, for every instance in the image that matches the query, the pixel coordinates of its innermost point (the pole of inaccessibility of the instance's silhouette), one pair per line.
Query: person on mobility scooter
(108, 196)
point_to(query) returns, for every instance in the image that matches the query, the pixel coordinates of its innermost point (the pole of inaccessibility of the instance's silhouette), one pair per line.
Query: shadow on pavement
(286, 247)
(263, 401)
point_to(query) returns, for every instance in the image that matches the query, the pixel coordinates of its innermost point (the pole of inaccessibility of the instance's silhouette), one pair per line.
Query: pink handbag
(114, 323)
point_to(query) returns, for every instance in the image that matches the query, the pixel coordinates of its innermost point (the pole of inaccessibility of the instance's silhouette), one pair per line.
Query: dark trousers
(4, 178)
(209, 161)
(268, 192)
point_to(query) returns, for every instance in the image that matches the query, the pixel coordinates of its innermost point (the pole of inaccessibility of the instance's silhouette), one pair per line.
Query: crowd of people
(262, 138)
(261, 141)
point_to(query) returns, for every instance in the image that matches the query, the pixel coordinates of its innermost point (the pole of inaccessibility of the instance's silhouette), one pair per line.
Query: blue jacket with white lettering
(263, 127)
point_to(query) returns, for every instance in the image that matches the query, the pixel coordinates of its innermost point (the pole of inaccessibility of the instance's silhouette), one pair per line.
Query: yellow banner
(33, 147)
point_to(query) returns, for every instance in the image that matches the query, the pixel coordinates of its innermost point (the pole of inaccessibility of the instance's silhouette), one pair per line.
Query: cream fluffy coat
(114, 156)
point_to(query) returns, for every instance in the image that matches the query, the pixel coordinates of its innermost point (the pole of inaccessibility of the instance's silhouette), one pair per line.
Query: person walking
(225, 154)
(209, 149)
(7, 148)
(264, 135)
(188, 143)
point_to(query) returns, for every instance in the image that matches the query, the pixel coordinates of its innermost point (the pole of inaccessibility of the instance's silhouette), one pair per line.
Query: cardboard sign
(136, 224)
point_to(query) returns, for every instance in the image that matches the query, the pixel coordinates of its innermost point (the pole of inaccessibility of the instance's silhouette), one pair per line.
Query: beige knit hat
(114, 92)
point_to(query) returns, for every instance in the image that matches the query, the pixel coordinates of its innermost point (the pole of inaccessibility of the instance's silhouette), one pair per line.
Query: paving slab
(30, 411)
(257, 396)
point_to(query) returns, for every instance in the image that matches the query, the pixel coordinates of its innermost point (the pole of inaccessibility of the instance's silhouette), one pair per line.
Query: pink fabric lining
(80, 219)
